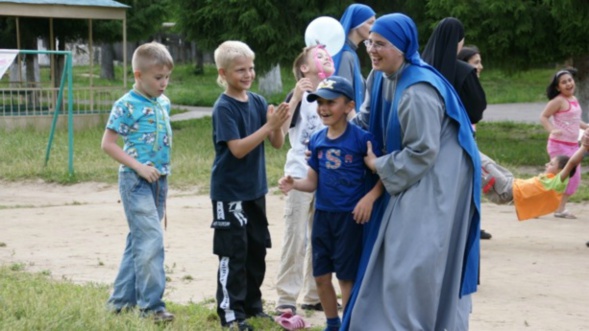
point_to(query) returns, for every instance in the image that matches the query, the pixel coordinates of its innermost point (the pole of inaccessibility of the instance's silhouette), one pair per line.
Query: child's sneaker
(163, 316)
(239, 326)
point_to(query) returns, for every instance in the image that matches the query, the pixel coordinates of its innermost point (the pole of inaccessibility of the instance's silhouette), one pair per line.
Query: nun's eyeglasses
(377, 45)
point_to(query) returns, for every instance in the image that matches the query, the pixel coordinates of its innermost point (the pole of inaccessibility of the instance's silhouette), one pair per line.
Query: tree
(274, 30)
(144, 19)
(521, 34)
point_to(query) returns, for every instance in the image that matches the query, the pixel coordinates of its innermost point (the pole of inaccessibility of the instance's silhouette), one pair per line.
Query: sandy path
(535, 274)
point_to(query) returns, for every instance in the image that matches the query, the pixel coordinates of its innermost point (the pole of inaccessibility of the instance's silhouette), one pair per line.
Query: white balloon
(326, 31)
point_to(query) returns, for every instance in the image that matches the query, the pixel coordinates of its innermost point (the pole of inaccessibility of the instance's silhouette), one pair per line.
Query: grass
(33, 301)
(187, 88)
(521, 147)
(525, 86)
(500, 87)
(22, 154)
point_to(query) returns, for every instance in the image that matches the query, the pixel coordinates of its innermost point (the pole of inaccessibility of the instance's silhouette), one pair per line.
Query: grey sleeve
(421, 112)
(346, 67)
(362, 118)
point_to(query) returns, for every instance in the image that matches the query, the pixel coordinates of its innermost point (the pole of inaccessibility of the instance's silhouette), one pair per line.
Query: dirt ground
(534, 274)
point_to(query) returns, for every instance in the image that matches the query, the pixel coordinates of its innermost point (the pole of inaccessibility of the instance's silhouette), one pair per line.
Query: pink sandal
(292, 322)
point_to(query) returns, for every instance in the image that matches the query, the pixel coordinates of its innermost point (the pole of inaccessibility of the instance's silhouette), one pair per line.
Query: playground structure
(34, 103)
(25, 104)
(29, 104)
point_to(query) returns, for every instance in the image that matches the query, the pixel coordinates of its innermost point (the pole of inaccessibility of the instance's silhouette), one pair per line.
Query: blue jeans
(141, 280)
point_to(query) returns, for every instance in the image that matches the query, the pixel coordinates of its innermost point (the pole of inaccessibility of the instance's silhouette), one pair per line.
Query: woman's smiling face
(383, 55)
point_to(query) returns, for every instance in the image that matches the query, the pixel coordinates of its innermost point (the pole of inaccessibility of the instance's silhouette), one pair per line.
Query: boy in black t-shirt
(241, 122)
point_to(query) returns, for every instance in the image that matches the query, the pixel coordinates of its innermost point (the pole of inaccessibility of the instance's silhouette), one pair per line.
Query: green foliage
(519, 34)
(144, 19)
(274, 30)
(7, 32)
(569, 24)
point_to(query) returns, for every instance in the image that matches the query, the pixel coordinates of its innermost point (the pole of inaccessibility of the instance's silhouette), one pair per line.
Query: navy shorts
(337, 244)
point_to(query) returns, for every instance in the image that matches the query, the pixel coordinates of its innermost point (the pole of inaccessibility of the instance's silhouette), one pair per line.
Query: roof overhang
(62, 11)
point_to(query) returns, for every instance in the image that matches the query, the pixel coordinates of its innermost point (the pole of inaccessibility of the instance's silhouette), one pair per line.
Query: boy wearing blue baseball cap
(345, 193)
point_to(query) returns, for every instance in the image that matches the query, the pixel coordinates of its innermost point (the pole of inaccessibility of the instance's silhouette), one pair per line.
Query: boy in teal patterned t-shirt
(142, 118)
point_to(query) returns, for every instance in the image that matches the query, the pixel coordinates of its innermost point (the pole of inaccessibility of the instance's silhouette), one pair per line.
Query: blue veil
(354, 16)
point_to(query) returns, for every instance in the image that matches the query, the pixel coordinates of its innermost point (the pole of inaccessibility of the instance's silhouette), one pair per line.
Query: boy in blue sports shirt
(142, 118)
(344, 201)
(242, 120)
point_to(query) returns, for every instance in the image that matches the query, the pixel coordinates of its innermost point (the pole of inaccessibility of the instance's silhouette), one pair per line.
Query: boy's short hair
(332, 88)
(227, 52)
(300, 60)
(151, 54)
(562, 162)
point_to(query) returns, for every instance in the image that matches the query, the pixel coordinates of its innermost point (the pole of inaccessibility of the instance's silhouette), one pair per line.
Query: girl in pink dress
(562, 119)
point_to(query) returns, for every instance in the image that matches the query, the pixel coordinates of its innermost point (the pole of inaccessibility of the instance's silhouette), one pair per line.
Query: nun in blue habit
(356, 21)
(420, 259)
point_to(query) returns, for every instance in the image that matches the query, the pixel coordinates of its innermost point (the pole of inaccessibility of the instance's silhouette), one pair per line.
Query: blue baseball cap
(332, 88)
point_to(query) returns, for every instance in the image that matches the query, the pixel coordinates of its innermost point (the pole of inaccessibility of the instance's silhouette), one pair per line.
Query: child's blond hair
(150, 55)
(227, 52)
(301, 60)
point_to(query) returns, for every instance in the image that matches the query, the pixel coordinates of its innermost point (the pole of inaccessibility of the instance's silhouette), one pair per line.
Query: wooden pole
(91, 58)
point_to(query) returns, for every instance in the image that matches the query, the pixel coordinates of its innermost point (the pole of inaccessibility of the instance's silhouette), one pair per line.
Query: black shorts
(337, 244)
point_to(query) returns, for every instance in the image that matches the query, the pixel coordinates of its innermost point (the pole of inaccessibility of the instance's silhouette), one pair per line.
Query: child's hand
(585, 139)
(304, 84)
(276, 117)
(286, 184)
(307, 151)
(363, 210)
(149, 173)
(370, 158)
(556, 132)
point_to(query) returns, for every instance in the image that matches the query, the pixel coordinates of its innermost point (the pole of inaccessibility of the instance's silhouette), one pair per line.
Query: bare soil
(534, 274)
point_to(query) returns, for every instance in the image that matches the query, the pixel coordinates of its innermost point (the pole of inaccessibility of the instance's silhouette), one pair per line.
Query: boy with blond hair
(242, 121)
(142, 118)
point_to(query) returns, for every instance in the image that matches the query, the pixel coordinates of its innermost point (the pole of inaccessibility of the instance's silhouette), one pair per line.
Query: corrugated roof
(93, 3)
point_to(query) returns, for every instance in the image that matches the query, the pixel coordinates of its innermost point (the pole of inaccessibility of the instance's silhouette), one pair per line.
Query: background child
(535, 196)
(142, 118)
(241, 122)
(471, 55)
(338, 173)
(295, 271)
(562, 119)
